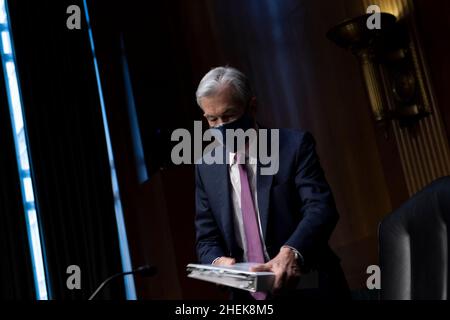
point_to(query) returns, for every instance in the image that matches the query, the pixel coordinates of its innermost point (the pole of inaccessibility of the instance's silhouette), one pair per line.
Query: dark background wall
(433, 26)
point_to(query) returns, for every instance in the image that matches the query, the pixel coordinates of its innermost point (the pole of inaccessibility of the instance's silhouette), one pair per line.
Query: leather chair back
(413, 246)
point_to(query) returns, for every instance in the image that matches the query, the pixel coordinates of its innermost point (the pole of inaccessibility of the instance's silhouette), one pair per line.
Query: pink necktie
(251, 229)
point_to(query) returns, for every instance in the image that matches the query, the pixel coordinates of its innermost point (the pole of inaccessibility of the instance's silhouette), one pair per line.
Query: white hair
(216, 78)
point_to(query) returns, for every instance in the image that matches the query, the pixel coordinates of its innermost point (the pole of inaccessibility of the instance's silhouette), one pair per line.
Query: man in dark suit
(282, 221)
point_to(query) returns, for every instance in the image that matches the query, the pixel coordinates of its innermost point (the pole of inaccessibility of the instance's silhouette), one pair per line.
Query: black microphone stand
(145, 271)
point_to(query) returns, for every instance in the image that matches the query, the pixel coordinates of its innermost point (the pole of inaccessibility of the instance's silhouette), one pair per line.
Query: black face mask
(245, 122)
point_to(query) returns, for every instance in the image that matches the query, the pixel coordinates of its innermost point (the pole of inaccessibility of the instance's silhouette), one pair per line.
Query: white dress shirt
(233, 169)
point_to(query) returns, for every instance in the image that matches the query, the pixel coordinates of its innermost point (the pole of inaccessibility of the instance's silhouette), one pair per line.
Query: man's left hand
(286, 269)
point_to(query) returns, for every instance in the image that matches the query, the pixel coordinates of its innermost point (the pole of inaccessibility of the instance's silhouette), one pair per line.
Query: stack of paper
(236, 276)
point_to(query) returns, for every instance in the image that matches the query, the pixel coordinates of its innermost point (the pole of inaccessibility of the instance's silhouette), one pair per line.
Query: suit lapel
(263, 185)
(219, 179)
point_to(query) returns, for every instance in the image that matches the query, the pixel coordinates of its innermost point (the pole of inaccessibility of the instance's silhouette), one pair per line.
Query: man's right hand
(224, 261)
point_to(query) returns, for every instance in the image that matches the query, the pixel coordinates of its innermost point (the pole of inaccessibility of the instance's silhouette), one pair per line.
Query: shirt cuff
(214, 261)
(299, 255)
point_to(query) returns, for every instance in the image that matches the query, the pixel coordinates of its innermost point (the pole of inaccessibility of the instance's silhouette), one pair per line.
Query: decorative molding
(424, 148)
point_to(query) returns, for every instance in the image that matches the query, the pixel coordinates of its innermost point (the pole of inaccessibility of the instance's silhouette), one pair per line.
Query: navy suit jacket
(296, 206)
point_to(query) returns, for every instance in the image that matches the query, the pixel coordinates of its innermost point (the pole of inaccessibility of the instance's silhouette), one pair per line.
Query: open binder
(236, 276)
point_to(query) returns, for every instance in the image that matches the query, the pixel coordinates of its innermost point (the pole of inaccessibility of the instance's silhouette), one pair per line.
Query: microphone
(143, 271)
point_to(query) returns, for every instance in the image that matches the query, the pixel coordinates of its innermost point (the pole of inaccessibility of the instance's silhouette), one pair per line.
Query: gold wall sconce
(390, 72)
